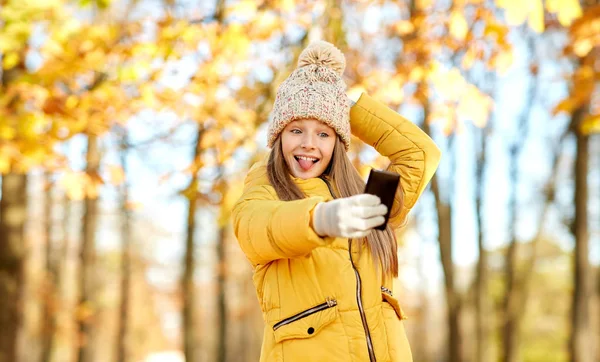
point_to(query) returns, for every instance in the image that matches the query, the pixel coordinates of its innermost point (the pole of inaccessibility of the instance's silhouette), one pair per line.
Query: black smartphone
(384, 185)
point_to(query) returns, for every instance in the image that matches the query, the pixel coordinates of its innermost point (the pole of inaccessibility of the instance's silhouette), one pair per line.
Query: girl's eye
(296, 131)
(323, 134)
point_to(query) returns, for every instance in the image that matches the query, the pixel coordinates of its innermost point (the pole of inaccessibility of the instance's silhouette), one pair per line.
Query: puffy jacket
(320, 301)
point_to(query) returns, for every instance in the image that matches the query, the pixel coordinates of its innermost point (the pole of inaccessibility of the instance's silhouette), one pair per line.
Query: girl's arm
(269, 229)
(412, 153)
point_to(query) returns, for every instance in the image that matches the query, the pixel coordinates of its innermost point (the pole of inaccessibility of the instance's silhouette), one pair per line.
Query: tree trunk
(123, 331)
(187, 282)
(333, 24)
(482, 305)
(452, 296)
(421, 350)
(50, 302)
(513, 303)
(510, 302)
(13, 214)
(64, 276)
(444, 218)
(86, 308)
(221, 301)
(580, 344)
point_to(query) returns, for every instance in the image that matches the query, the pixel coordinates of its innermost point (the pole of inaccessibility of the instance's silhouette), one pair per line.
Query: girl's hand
(348, 217)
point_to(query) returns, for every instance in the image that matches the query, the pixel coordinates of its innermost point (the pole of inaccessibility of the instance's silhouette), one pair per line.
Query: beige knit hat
(314, 90)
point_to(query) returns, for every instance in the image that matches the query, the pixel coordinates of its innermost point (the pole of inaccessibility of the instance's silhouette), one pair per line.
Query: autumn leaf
(74, 185)
(117, 174)
(475, 106)
(590, 125)
(566, 10)
(10, 60)
(517, 12)
(458, 25)
(93, 181)
(133, 206)
(4, 164)
(567, 105)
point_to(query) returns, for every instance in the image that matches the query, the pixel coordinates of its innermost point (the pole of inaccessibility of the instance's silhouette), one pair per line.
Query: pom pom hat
(315, 90)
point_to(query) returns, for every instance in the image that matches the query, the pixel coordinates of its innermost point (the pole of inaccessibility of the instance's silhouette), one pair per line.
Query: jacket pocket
(307, 323)
(393, 302)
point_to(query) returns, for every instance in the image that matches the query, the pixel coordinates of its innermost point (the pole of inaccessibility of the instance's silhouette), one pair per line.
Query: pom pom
(323, 53)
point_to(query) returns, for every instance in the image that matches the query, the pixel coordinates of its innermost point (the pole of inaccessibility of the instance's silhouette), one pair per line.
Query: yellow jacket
(320, 301)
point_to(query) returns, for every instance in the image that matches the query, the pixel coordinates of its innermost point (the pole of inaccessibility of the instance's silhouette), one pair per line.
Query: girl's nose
(308, 142)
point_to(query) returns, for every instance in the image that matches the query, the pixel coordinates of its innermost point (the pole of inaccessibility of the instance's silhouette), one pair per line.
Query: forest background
(126, 129)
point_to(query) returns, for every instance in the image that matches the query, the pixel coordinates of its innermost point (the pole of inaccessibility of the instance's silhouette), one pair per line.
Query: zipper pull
(331, 302)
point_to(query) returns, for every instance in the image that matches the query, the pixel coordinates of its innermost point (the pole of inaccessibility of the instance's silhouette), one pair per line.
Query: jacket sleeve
(268, 229)
(411, 152)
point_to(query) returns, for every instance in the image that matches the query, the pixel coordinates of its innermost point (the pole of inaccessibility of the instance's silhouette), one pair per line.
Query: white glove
(348, 217)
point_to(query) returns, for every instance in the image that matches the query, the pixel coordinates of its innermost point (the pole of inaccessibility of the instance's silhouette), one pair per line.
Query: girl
(323, 276)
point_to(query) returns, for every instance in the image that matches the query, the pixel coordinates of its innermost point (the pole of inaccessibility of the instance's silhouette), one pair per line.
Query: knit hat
(314, 90)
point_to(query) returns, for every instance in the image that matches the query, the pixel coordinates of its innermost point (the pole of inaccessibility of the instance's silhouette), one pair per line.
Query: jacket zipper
(328, 304)
(361, 310)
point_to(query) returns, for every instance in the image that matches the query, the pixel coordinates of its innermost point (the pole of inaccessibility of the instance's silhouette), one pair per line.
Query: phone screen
(384, 185)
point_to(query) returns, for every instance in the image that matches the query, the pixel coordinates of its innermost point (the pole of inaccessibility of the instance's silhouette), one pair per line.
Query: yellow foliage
(444, 115)
(590, 125)
(517, 12)
(355, 91)
(230, 193)
(4, 164)
(190, 192)
(458, 25)
(469, 58)
(583, 47)
(7, 132)
(74, 184)
(84, 311)
(566, 105)
(416, 74)
(264, 26)
(392, 91)
(117, 174)
(132, 206)
(403, 27)
(287, 5)
(449, 83)
(93, 181)
(10, 60)
(246, 8)
(501, 61)
(475, 106)
(210, 138)
(566, 10)
(495, 30)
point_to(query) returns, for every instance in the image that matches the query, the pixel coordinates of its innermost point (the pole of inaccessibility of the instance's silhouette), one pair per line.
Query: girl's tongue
(305, 164)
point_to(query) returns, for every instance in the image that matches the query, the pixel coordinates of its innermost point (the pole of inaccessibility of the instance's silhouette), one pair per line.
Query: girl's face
(307, 146)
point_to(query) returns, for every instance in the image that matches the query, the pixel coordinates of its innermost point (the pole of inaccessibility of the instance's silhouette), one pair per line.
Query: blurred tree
(13, 215)
(545, 328)
(20, 138)
(483, 306)
(119, 176)
(222, 315)
(51, 282)
(583, 50)
(513, 305)
(87, 258)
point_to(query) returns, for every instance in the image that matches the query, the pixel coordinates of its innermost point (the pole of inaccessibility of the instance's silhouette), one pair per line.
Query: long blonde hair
(382, 244)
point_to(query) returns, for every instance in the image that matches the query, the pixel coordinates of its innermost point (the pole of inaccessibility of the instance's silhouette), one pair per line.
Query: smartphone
(384, 185)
